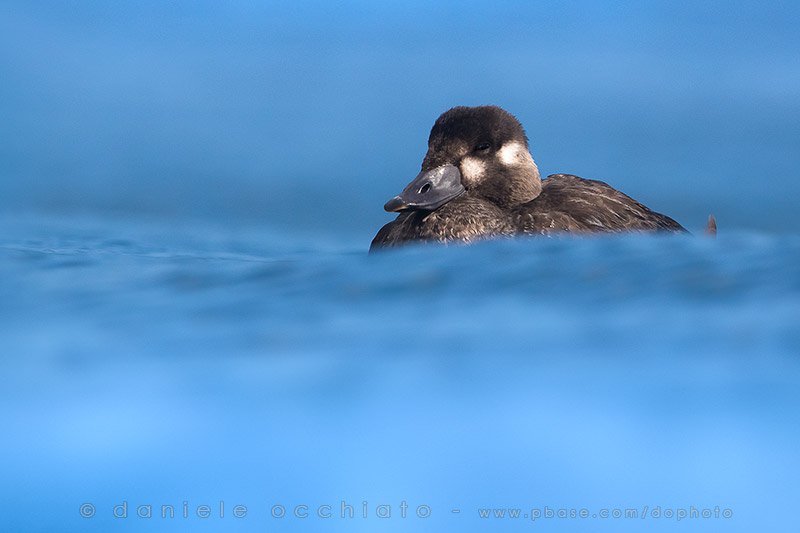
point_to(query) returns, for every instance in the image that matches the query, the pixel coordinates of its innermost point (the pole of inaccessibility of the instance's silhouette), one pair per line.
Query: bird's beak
(430, 190)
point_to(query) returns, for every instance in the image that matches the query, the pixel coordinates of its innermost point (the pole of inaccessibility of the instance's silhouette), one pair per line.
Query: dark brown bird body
(479, 180)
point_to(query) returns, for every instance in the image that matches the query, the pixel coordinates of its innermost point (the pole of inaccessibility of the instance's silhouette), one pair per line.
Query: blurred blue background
(188, 313)
(290, 113)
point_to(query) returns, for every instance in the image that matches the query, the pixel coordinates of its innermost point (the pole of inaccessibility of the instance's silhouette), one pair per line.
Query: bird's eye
(482, 147)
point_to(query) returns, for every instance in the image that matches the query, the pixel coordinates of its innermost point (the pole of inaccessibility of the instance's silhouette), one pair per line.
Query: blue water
(157, 363)
(188, 312)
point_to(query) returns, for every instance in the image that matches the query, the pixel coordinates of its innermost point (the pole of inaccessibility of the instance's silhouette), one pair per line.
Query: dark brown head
(477, 151)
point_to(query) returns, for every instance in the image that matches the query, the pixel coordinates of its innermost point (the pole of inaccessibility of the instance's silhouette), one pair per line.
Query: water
(187, 364)
(212, 329)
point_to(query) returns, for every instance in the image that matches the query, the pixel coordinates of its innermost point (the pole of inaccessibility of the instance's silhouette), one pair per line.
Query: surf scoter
(479, 180)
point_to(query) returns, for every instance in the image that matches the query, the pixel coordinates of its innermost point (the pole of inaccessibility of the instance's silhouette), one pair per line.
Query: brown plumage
(479, 180)
(711, 227)
(570, 203)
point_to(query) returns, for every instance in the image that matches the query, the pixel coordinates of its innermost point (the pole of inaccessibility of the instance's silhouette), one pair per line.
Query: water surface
(157, 364)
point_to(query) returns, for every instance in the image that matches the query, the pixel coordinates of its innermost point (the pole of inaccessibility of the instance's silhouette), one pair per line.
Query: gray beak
(430, 190)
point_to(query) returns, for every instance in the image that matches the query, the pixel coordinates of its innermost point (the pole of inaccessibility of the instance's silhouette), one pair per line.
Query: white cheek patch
(472, 170)
(514, 154)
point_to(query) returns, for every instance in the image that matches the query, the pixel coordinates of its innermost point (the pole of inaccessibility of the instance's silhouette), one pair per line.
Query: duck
(478, 180)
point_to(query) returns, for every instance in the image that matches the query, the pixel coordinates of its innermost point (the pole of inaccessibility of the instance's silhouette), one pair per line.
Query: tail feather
(711, 227)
